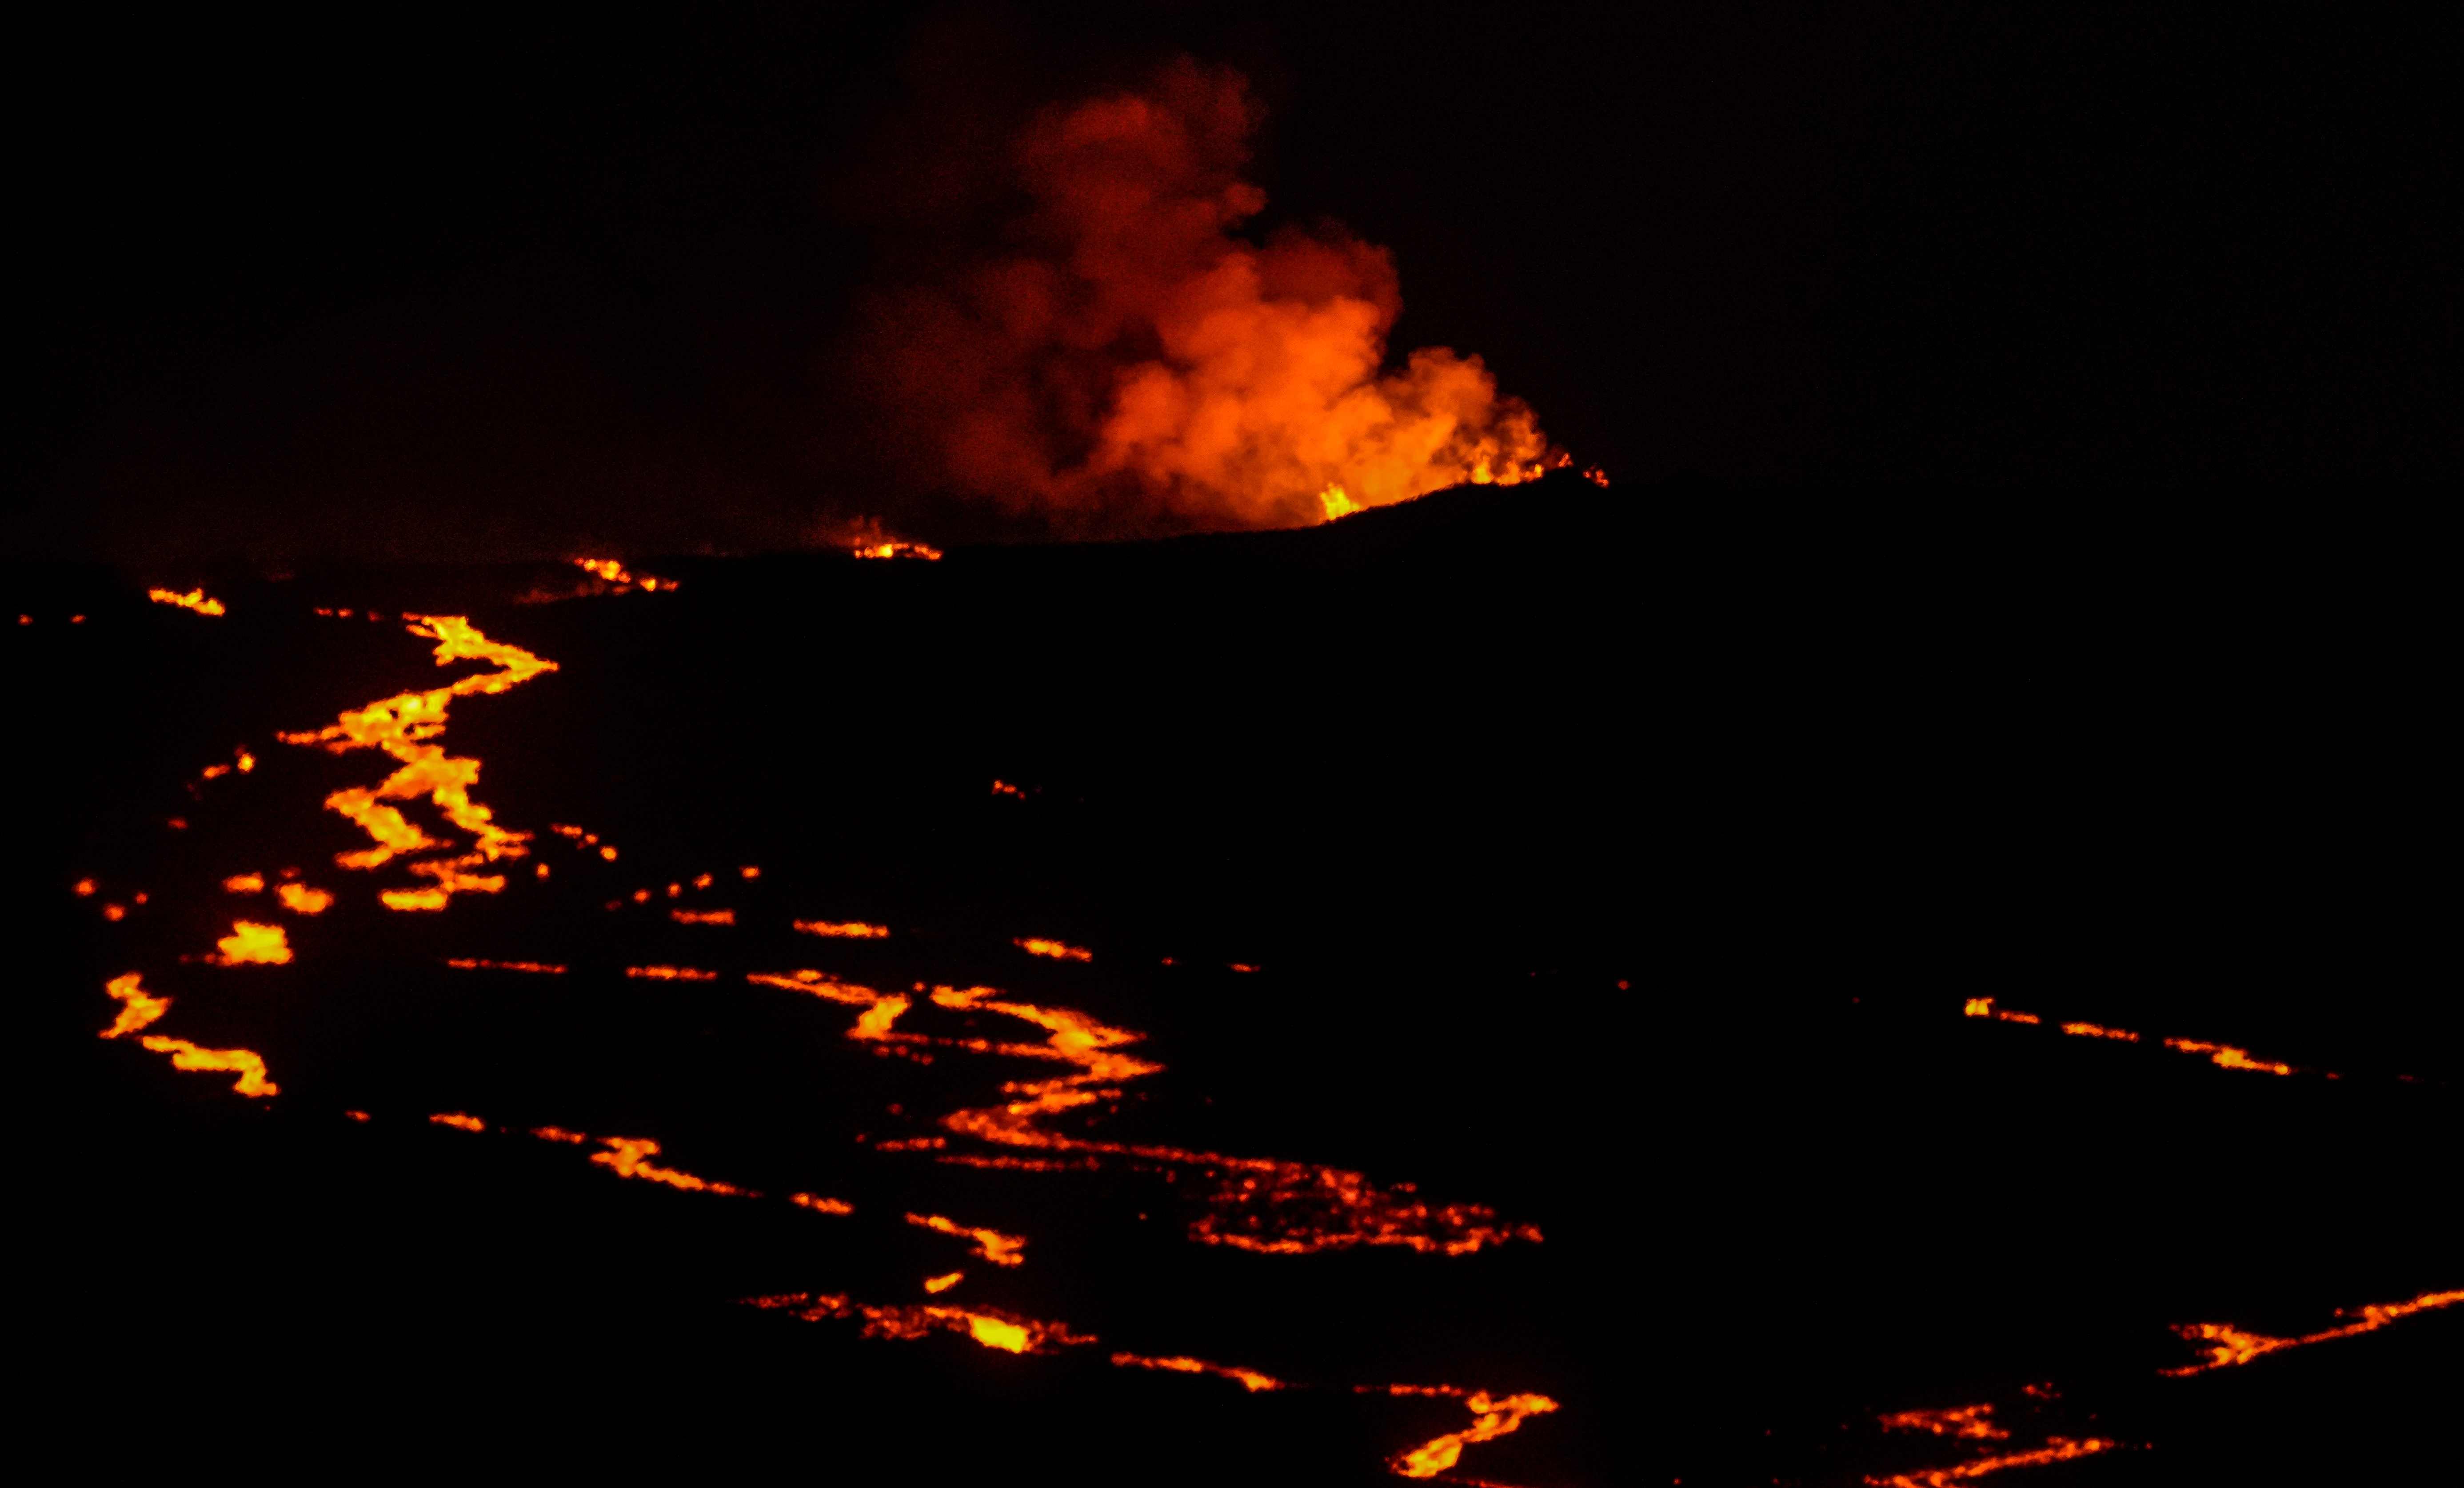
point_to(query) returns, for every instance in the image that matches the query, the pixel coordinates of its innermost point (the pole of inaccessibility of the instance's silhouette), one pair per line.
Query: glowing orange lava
(896, 549)
(1001, 1249)
(630, 1158)
(459, 1120)
(244, 883)
(403, 726)
(1973, 1422)
(2056, 1449)
(702, 916)
(2225, 1056)
(1058, 950)
(302, 900)
(671, 973)
(2227, 1345)
(820, 1204)
(991, 1327)
(478, 963)
(613, 573)
(844, 930)
(937, 1285)
(1250, 1379)
(1493, 1416)
(243, 1063)
(250, 943)
(194, 599)
(137, 1010)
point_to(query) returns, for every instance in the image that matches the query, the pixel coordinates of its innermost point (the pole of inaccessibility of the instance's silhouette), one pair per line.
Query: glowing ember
(137, 1010)
(1058, 950)
(477, 964)
(252, 943)
(671, 973)
(459, 1120)
(892, 549)
(844, 930)
(302, 900)
(819, 1205)
(2057, 1448)
(2226, 1345)
(702, 916)
(2228, 1056)
(2225, 1056)
(194, 599)
(613, 573)
(630, 1158)
(1493, 1416)
(1250, 1379)
(1001, 1249)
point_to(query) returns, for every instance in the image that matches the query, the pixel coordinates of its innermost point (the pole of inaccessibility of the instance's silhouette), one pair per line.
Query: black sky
(435, 283)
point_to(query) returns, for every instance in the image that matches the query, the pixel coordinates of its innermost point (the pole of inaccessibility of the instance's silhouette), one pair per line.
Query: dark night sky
(432, 282)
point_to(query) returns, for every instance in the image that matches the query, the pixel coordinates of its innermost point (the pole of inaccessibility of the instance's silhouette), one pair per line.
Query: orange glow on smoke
(2226, 1345)
(702, 917)
(1250, 1379)
(1971, 1422)
(302, 900)
(137, 1010)
(845, 930)
(1058, 950)
(1005, 1331)
(630, 1158)
(1493, 1416)
(244, 883)
(243, 1063)
(477, 964)
(1127, 362)
(252, 943)
(2056, 1449)
(194, 599)
(671, 973)
(1001, 1249)
(403, 726)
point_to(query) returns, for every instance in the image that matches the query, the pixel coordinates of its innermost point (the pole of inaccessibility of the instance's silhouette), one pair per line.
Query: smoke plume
(1112, 358)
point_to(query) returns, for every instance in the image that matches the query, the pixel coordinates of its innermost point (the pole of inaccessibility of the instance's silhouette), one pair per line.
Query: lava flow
(2227, 1345)
(2225, 1056)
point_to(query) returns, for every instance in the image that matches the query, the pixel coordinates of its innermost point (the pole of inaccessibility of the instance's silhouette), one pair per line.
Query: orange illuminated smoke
(194, 599)
(2226, 1345)
(1001, 1249)
(2056, 1449)
(844, 930)
(1249, 1379)
(252, 943)
(1492, 1416)
(630, 1157)
(1058, 950)
(403, 726)
(1126, 363)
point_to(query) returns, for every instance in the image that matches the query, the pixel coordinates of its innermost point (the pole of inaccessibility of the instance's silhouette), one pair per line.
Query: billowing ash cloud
(1115, 358)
